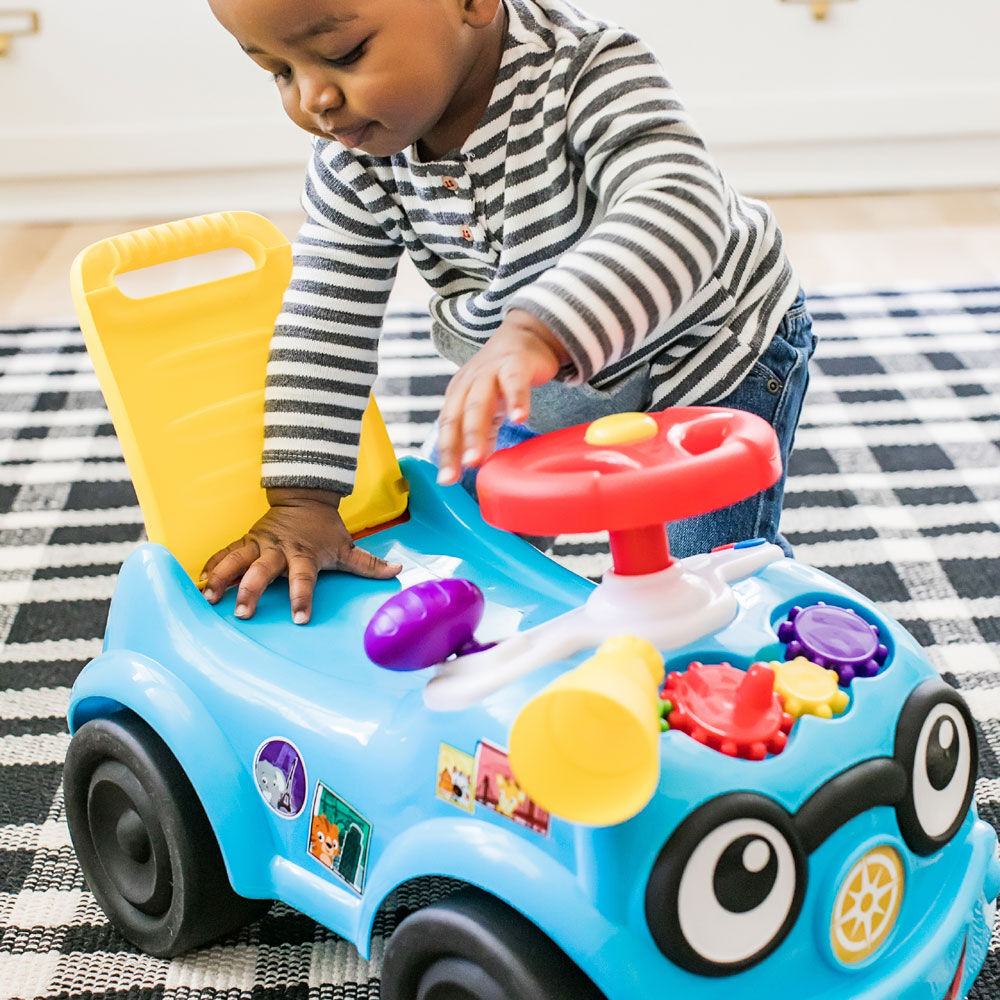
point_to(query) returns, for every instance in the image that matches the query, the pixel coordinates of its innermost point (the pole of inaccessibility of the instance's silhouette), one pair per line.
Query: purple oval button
(425, 624)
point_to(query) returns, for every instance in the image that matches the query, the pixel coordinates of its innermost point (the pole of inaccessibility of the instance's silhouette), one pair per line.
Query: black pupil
(736, 887)
(942, 753)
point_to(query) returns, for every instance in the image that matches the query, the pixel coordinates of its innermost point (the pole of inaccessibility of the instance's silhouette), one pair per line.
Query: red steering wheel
(629, 474)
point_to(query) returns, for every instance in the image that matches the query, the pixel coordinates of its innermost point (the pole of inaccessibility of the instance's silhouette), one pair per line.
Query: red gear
(733, 711)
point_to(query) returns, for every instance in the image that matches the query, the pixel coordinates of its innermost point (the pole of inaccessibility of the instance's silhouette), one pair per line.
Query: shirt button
(450, 183)
(466, 233)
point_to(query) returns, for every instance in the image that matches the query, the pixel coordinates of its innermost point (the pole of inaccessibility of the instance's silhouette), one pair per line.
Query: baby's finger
(302, 573)
(217, 557)
(449, 439)
(226, 566)
(495, 424)
(515, 389)
(361, 562)
(256, 579)
(482, 405)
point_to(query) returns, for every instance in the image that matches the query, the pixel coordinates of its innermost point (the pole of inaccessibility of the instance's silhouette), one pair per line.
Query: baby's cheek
(389, 100)
(290, 104)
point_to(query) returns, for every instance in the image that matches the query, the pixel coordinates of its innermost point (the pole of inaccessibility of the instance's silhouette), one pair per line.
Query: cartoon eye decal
(728, 885)
(936, 745)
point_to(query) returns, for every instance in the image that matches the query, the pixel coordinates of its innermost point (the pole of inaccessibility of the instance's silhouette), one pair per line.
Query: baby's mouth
(355, 136)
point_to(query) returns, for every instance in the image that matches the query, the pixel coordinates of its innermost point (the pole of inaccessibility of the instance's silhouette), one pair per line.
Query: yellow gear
(808, 689)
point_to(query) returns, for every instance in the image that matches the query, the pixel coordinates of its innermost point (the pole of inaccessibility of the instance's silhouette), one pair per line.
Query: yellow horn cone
(587, 746)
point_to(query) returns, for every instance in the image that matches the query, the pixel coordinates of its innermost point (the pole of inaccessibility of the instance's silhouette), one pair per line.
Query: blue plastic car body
(229, 696)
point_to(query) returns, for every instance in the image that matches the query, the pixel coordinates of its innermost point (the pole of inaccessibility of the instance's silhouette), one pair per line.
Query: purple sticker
(280, 776)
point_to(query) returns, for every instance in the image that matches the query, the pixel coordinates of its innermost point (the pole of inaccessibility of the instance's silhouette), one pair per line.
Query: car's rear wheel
(144, 842)
(472, 946)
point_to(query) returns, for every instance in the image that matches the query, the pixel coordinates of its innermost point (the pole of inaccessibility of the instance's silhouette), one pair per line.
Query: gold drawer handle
(17, 22)
(820, 9)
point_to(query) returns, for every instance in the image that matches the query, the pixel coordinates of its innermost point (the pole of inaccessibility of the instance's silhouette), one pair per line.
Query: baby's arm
(323, 361)
(663, 219)
(662, 229)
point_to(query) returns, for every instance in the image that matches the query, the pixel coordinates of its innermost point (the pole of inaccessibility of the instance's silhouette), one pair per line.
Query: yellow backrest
(182, 372)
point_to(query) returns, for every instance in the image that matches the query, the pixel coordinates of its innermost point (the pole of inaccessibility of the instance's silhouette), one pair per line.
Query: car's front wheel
(472, 946)
(144, 842)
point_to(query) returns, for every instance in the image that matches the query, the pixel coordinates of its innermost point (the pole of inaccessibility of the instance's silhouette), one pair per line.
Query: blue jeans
(773, 389)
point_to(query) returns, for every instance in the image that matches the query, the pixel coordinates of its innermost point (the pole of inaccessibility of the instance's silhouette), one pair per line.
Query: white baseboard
(856, 166)
(814, 167)
(163, 196)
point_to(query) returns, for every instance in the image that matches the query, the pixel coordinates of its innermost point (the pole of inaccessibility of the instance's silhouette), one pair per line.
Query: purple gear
(833, 637)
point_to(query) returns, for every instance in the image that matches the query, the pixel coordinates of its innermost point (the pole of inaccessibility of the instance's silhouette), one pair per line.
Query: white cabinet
(141, 107)
(882, 94)
(147, 107)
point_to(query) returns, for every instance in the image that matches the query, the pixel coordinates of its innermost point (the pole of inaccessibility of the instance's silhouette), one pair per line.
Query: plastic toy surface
(706, 777)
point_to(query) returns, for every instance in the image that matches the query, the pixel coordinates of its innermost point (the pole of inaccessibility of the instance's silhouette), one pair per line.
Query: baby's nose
(317, 95)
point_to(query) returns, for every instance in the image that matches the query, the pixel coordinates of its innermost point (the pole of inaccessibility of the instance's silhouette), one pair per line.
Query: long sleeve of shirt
(662, 222)
(323, 357)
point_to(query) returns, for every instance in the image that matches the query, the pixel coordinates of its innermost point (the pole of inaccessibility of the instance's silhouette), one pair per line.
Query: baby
(587, 255)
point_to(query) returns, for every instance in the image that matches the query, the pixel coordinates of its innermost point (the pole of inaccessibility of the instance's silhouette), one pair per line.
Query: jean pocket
(776, 364)
(780, 372)
(796, 327)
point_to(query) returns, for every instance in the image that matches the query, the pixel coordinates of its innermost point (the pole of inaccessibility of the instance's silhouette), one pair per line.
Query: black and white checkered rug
(894, 488)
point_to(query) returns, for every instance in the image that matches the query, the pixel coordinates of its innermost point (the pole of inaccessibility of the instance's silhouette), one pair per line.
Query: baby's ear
(481, 13)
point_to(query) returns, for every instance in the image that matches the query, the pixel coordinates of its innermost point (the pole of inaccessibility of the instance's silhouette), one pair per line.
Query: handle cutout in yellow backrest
(182, 372)
(185, 272)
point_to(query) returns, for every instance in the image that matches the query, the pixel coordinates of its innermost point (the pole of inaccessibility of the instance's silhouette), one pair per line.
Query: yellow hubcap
(867, 905)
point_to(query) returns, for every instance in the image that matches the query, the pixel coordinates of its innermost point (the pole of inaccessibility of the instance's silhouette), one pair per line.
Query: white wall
(139, 107)
(146, 107)
(883, 94)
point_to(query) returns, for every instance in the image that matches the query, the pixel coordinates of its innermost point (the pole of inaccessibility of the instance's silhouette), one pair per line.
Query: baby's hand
(301, 534)
(497, 381)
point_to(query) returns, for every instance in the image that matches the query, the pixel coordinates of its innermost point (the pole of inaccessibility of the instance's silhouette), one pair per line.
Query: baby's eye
(284, 74)
(349, 58)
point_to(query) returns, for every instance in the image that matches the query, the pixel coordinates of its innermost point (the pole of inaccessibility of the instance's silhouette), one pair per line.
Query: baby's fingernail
(470, 456)
(445, 476)
(203, 578)
(242, 611)
(518, 414)
(300, 618)
(209, 594)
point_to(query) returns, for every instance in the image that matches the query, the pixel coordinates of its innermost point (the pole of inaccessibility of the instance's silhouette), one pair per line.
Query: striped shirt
(584, 196)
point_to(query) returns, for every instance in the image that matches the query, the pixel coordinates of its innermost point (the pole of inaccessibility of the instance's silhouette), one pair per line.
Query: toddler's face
(374, 74)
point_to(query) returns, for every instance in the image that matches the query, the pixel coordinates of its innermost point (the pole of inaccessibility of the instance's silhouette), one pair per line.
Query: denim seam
(779, 412)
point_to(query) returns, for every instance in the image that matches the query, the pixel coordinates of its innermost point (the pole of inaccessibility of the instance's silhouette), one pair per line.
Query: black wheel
(144, 842)
(472, 946)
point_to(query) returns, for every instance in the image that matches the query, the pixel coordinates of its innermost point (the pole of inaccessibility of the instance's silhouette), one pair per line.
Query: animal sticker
(339, 837)
(455, 777)
(324, 841)
(280, 776)
(510, 796)
(497, 789)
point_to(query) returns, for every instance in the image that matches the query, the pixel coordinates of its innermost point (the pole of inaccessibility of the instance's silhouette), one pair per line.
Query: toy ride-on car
(707, 777)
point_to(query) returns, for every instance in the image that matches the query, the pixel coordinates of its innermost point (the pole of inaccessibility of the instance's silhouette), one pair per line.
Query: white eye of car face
(942, 769)
(737, 891)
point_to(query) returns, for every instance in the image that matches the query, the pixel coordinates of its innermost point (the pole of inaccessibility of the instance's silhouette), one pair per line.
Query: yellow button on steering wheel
(621, 428)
